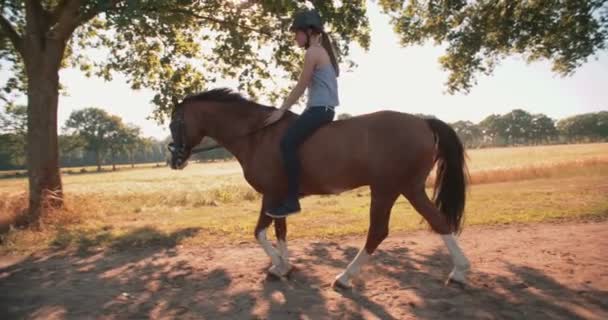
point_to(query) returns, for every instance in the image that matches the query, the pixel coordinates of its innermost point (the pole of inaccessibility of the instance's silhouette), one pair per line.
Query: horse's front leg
(279, 258)
(280, 228)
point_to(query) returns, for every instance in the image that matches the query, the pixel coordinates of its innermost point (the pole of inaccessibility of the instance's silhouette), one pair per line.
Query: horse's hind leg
(279, 266)
(380, 212)
(421, 202)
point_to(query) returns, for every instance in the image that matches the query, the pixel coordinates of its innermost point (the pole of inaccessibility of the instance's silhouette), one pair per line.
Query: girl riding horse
(319, 74)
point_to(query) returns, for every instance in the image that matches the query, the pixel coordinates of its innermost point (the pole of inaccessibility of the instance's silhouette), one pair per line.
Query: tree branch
(86, 16)
(58, 11)
(12, 34)
(68, 15)
(218, 21)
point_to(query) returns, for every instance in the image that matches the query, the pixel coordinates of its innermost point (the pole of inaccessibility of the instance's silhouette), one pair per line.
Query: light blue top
(323, 87)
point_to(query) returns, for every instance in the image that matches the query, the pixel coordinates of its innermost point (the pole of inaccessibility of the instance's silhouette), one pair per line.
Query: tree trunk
(42, 60)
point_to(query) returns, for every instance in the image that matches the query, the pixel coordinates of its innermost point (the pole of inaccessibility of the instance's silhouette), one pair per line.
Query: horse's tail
(451, 179)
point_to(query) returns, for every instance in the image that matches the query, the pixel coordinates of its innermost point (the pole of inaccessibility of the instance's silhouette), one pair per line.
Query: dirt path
(520, 272)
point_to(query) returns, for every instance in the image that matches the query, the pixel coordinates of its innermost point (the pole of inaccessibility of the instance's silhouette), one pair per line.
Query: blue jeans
(302, 128)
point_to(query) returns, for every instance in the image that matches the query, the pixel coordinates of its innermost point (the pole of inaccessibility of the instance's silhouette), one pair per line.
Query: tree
(601, 125)
(157, 44)
(122, 139)
(144, 150)
(479, 34)
(469, 133)
(518, 126)
(12, 155)
(585, 127)
(493, 129)
(543, 129)
(14, 120)
(13, 127)
(71, 149)
(96, 128)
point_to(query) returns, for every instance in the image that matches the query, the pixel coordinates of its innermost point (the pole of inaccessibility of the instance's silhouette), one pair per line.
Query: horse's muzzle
(179, 157)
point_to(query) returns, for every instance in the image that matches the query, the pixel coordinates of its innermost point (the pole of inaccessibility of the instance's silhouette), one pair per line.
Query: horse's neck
(232, 127)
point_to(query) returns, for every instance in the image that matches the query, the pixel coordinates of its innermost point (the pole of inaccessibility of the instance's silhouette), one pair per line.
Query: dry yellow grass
(517, 157)
(536, 171)
(213, 203)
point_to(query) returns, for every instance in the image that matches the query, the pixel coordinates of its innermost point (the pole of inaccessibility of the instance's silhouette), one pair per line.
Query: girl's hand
(274, 117)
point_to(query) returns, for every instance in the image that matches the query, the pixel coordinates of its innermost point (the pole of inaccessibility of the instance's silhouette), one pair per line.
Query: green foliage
(180, 47)
(94, 126)
(13, 128)
(92, 136)
(470, 134)
(588, 126)
(12, 155)
(520, 127)
(14, 120)
(542, 129)
(516, 128)
(479, 34)
(101, 133)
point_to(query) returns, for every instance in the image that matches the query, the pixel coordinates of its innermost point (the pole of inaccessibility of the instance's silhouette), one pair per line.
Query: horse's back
(373, 147)
(381, 128)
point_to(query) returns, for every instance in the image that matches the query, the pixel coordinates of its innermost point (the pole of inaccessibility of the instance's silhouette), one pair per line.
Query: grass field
(7, 174)
(211, 203)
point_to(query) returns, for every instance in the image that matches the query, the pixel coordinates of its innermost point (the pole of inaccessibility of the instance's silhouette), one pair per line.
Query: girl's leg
(302, 128)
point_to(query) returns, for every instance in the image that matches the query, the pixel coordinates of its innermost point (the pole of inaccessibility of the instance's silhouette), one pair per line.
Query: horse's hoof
(279, 272)
(272, 277)
(290, 269)
(340, 283)
(457, 283)
(457, 278)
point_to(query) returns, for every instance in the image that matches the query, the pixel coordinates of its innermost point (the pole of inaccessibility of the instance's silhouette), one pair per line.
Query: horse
(391, 152)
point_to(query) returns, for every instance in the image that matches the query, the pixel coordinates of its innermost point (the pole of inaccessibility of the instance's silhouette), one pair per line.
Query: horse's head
(219, 113)
(185, 133)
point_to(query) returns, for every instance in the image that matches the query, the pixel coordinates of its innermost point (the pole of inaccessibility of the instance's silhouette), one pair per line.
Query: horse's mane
(218, 95)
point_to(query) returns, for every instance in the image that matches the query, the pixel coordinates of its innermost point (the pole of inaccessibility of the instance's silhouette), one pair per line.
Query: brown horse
(391, 152)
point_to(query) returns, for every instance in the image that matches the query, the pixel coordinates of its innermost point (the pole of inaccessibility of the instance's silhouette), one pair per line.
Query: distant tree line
(519, 128)
(91, 136)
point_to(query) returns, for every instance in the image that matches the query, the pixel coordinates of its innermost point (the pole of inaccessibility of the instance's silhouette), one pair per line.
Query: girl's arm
(310, 61)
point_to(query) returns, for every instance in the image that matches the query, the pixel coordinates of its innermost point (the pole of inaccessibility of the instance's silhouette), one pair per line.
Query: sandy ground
(543, 271)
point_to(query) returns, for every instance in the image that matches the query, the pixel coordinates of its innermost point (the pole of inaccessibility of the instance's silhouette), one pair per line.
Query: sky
(391, 77)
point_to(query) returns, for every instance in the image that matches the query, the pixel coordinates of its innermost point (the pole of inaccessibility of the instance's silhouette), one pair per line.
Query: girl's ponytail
(326, 43)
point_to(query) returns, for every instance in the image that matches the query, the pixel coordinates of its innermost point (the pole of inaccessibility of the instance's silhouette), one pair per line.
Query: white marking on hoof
(353, 269)
(342, 281)
(458, 277)
(280, 271)
(274, 271)
(459, 274)
(284, 254)
(461, 263)
(268, 248)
